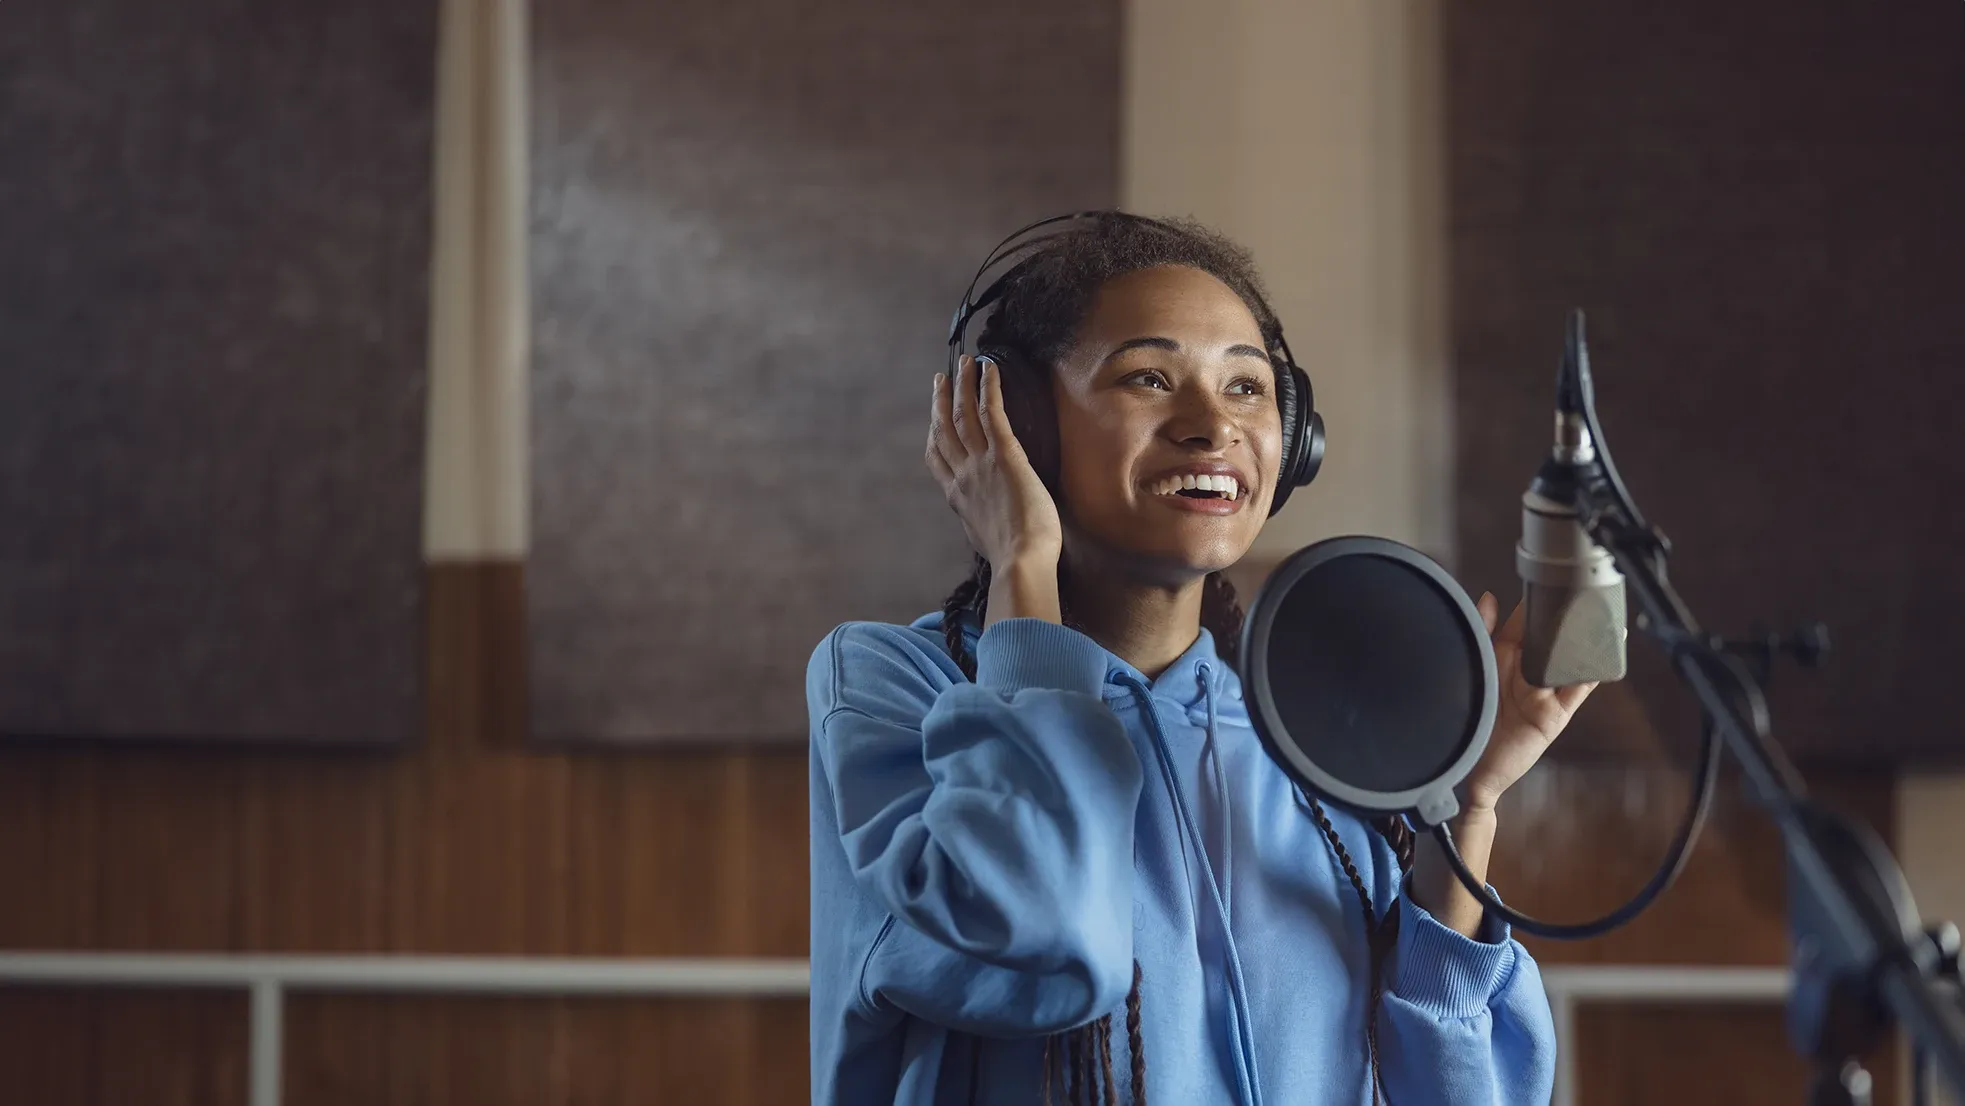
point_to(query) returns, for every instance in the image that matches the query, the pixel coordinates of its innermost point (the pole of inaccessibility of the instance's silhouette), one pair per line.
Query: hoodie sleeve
(992, 820)
(1463, 1022)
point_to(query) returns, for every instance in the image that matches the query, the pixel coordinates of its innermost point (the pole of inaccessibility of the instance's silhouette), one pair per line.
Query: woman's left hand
(1527, 720)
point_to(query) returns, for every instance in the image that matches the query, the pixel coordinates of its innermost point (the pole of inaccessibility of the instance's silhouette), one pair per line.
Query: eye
(1151, 378)
(1248, 386)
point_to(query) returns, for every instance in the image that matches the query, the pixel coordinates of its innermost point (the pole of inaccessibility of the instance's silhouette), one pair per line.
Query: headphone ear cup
(1288, 405)
(1313, 449)
(1032, 411)
(1303, 434)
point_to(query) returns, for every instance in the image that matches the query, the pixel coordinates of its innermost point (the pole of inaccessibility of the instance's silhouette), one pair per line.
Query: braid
(1050, 1065)
(1074, 1063)
(1221, 614)
(1093, 1087)
(1134, 1044)
(1397, 833)
(971, 595)
(1105, 1060)
(1379, 933)
(1344, 861)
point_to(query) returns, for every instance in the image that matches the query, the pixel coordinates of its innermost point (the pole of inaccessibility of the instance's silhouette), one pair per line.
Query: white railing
(267, 979)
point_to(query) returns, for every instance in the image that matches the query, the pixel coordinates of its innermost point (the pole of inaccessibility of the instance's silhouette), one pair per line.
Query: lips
(1209, 487)
(1225, 487)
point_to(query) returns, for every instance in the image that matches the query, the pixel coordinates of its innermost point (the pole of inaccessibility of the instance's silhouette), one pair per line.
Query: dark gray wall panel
(749, 224)
(1759, 205)
(214, 240)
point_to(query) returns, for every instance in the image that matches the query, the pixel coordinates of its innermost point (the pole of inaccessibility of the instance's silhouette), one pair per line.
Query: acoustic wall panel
(214, 238)
(1758, 205)
(750, 222)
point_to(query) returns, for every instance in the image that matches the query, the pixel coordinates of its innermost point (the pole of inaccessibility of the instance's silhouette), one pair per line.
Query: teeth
(1226, 486)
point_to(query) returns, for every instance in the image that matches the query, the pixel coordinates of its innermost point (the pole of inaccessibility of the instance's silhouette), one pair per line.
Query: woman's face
(1167, 388)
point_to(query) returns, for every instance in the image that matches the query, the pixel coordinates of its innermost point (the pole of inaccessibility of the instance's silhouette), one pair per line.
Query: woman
(1050, 862)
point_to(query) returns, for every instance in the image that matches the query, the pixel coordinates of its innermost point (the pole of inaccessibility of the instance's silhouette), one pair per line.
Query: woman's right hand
(1008, 513)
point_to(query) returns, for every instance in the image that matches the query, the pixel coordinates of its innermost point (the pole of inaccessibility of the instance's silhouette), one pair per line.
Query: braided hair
(1037, 320)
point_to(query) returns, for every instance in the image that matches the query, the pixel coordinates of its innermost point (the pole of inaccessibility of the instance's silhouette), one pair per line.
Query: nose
(1201, 420)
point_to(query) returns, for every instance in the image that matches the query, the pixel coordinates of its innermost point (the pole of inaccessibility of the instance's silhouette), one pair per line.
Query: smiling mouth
(1200, 487)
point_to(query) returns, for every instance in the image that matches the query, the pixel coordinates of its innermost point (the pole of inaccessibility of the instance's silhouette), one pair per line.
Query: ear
(1032, 409)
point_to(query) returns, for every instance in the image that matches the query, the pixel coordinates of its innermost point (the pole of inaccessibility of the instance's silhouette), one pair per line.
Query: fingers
(944, 450)
(938, 465)
(967, 420)
(1570, 698)
(1490, 609)
(1511, 631)
(996, 417)
(942, 438)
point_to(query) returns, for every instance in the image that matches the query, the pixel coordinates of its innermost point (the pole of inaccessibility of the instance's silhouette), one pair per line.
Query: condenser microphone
(1573, 594)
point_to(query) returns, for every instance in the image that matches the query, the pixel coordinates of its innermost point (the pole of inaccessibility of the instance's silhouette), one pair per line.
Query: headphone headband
(1303, 427)
(971, 303)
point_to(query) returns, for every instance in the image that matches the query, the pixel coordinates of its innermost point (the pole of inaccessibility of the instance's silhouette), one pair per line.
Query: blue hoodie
(990, 858)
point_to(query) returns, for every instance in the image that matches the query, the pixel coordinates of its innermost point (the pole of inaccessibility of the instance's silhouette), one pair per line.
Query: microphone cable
(1684, 648)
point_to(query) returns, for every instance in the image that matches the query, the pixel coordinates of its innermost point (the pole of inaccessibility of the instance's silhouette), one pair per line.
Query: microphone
(1572, 591)
(1371, 680)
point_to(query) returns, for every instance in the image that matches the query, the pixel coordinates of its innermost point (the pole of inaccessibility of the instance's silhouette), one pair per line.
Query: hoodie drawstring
(1238, 990)
(1213, 750)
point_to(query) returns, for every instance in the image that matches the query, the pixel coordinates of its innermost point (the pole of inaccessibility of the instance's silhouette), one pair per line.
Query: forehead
(1171, 301)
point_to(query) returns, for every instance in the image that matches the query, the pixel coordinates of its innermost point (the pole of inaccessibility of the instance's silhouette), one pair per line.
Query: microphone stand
(1860, 958)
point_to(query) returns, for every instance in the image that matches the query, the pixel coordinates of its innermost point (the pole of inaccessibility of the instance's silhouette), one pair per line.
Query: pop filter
(1370, 677)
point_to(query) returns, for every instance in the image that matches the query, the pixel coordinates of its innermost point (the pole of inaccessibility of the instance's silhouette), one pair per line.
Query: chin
(1153, 559)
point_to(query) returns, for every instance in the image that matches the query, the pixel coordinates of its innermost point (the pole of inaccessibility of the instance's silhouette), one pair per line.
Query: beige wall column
(475, 476)
(1310, 133)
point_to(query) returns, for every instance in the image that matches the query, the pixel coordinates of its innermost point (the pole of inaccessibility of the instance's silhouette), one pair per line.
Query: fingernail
(984, 363)
(940, 378)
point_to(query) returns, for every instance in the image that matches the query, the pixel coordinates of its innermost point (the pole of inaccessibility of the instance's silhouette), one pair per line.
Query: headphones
(1027, 397)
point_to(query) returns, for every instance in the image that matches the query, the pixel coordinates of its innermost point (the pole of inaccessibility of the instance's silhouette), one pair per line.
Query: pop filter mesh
(1373, 672)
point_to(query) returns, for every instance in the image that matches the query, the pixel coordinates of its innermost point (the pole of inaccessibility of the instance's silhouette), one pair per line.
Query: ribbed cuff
(1446, 973)
(1020, 653)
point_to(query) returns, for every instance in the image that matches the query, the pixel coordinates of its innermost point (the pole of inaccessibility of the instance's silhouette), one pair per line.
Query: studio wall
(215, 220)
(749, 226)
(1757, 205)
(479, 840)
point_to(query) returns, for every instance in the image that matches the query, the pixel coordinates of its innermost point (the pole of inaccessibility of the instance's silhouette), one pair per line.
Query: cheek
(1267, 439)
(1094, 456)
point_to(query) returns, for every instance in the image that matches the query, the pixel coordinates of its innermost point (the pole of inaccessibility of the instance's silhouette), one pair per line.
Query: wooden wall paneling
(469, 843)
(321, 851)
(1757, 206)
(1701, 1055)
(526, 1052)
(122, 1048)
(49, 851)
(749, 225)
(212, 322)
(1578, 840)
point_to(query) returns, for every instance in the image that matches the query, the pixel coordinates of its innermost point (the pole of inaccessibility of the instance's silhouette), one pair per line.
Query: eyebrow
(1239, 349)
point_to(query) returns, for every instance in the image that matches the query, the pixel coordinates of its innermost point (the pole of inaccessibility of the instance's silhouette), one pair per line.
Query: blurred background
(433, 436)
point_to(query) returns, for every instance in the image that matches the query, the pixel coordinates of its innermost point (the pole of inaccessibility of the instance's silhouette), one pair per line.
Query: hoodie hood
(1196, 676)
